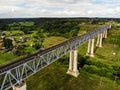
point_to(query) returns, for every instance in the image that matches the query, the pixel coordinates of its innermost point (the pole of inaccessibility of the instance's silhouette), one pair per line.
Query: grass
(87, 27)
(14, 32)
(22, 23)
(7, 58)
(27, 23)
(54, 77)
(106, 52)
(51, 41)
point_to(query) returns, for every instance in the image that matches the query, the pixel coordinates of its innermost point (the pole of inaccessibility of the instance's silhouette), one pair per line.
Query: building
(1, 42)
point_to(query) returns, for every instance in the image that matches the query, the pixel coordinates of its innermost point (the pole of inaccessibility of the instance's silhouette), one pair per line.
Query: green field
(7, 58)
(54, 77)
(51, 41)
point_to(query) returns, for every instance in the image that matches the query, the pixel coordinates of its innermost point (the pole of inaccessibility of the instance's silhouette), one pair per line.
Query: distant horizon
(61, 17)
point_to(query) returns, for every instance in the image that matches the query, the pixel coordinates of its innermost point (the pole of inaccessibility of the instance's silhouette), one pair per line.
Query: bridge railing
(14, 73)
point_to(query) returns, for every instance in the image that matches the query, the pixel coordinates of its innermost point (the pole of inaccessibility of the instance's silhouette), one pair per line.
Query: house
(1, 42)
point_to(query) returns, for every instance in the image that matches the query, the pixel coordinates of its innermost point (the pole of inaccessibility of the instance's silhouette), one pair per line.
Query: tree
(20, 50)
(39, 39)
(29, 50)
(7, 43)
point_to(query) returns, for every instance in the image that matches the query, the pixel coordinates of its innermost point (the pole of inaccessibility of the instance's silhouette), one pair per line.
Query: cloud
(59, 8)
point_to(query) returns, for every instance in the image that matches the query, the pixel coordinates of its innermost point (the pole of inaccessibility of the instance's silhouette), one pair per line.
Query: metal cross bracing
(14, 73)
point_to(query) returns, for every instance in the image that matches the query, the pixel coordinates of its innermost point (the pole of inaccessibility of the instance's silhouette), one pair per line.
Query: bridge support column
(90, 51)
(99, 40)
(105, 34)
(21, 86)
(73, 70)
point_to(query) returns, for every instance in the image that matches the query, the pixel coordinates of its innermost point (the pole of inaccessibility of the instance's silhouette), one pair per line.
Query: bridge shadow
(95, 49)
(82, 60)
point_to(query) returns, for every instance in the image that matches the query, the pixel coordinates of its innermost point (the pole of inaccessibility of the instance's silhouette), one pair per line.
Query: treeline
(66, 27)
(61, 28)
(54, 27)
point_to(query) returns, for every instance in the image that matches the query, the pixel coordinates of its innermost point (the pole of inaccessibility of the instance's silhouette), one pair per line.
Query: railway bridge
(14, 74)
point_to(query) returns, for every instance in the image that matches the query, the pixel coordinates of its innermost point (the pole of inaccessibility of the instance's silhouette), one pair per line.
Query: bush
(20, 50)
(101, 71)
(110, 75)
(7, 43)
(64, 60)
(29, 50)
(81, 60)
(91, 69)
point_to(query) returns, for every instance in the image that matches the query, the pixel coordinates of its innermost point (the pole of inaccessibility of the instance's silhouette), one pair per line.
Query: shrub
(91, 69)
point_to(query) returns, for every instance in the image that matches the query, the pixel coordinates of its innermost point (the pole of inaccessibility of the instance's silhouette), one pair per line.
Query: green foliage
(91, 69)
(82, 60)
(100, 68)
(29, 50)
(27, 23)
(38, 39)
(101, 71)
(61, 28)
(7, 43)
(26, 30)
(24, 50)
(20, 50)
(14, 33)
(38, 45)
(64, 60)
(70, 34)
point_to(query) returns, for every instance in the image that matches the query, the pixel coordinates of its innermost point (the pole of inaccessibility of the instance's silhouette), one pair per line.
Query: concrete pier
(73, 70)
(21, 86)
(90, 51)
(99, 40)
(105, 34)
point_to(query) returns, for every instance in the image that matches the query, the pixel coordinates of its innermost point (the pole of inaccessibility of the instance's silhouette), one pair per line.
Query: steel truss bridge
(16, 72)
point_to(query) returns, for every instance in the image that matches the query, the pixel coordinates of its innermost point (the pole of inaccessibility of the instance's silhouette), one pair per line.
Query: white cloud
(58, 8)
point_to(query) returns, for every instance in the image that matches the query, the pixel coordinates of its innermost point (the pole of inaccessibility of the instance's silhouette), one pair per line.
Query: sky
(59, 8)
